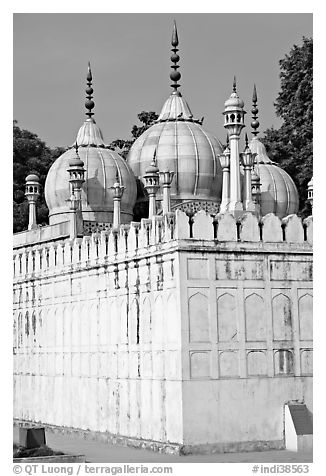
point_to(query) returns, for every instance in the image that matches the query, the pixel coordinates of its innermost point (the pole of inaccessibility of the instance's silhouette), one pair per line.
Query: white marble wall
(168, 332)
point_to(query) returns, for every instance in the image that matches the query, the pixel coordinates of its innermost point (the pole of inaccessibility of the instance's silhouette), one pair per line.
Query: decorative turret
(311, 192)
(255, 189)
(76, 179)
(76, 174)
(247, 160)
(166, 180)
(225, 164)
(152, 185)
(32, 192)
(234, 123)
(117, 191)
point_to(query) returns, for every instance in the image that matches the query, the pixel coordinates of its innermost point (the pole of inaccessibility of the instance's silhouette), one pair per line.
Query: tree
(291, 144)
(147, 118)
(30, 155)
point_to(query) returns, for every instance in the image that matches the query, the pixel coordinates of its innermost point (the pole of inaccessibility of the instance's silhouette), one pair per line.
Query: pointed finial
(175, 39)
(175, 74)
(246, 140)
(89, 103)
(154, 157)
(254, 112)
(76, 148)
(117, 177)
(234, 84)
(254, 95)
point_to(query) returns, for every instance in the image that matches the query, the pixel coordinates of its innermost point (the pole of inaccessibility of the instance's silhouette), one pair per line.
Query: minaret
(152, 185)
(32, 192)
(166, 180)
(225, 164)
(117, 191)
(76, 179)
(247, 160)
(234, 123)
(175, 75)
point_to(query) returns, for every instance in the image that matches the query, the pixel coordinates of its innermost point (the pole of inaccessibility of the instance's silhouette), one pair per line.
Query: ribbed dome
(184, 147)
(279, 194)
(101, 167)
(234, 101)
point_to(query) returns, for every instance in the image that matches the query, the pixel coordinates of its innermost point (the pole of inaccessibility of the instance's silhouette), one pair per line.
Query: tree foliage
(147, 118)
(292, 144)
(30, 155)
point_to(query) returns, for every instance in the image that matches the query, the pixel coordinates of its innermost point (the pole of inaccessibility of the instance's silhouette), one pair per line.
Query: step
(298, 427)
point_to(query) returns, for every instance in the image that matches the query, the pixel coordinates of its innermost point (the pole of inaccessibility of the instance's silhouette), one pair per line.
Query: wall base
(159, 446)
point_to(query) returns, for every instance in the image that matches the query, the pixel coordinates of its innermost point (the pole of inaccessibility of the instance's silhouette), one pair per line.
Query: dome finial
(254, 112)
(234, 84)
(76, 148)
(175, 74)
(89, 103)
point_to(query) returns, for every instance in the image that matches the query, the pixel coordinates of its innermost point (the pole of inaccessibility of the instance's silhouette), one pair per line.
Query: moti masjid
(189, 330)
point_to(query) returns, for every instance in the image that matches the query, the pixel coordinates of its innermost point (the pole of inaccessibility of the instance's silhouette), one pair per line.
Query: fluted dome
(234, 101)
(279, 194)
(184, 147)
(101, 168)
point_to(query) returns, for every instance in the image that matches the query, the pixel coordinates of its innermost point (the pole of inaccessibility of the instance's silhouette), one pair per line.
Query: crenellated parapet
(152, 235)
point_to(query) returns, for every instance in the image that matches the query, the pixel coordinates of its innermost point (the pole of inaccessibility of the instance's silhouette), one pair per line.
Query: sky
(130, 59)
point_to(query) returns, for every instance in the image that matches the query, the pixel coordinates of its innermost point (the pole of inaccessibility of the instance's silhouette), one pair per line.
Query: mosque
(188, 331)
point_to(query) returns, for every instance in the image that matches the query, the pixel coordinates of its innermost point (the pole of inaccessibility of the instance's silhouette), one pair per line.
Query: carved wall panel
(229, 363)
(197, 268)
(198, 318)
(255, 318)
(306, 357)
(282, 317)
(227, 327)
(199, 364)
(305, 317)
(256, 363)
(283, 362)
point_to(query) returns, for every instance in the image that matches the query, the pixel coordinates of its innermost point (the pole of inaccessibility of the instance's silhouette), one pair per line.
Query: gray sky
(130, 57)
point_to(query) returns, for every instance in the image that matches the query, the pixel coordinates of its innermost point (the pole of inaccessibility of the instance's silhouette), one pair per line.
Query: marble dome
(102, 169)
(183, 146)
(102, 166)
(279, 194)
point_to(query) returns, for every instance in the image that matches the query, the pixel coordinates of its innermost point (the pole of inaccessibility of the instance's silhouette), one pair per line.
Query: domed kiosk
(102, 166)
(183, 146)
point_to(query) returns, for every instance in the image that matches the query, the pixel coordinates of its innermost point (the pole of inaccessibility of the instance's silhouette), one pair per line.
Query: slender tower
(247, 160)
(166, 180)
(76, 179)
(32, 192)
(234, 123)
(152, 185)
(225, 164)
(117, 191)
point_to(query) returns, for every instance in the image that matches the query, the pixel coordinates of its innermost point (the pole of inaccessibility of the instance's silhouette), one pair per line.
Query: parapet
(137, 239)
